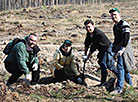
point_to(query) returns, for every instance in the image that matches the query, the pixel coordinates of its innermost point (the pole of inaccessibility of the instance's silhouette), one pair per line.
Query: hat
(114, 9)
(67, 42)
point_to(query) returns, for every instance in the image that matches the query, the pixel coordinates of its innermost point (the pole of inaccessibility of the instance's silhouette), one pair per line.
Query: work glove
(28, 77)
(35, 67)
(120, 52)
(79, 80)
(85, 58)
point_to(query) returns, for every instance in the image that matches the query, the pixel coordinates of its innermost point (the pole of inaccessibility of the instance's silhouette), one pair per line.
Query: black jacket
(121, 35)
(98, 40)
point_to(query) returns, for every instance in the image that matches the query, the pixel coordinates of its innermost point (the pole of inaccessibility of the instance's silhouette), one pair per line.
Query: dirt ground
(53, 25)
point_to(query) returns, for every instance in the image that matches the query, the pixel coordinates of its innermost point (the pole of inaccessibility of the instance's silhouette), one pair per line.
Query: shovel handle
(84, 67)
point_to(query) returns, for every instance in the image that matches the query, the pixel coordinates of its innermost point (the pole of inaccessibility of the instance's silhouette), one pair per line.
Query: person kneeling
(64, 65)
(23, 60)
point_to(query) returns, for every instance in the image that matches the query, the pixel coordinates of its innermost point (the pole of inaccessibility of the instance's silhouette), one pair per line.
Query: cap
(114, 9)
(67, 42)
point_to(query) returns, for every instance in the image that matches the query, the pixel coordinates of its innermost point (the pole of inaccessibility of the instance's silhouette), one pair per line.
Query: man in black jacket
(96, 39)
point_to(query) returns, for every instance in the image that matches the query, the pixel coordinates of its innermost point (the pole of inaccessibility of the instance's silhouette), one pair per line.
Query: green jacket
(20, 57)
(66, 63)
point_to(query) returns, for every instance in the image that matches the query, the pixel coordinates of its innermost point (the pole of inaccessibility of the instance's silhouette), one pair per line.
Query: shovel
(83, 76)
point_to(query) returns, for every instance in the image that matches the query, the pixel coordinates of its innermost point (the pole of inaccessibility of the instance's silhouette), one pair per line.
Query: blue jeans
(103, 64)
(122, 74)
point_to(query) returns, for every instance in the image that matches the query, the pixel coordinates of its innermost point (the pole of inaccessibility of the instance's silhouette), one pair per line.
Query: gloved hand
(28, 77)
(35, 67)
(120, 52)
(79, 80)
(85, 58)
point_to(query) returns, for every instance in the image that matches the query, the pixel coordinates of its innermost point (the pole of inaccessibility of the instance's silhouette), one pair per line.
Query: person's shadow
(50, 79)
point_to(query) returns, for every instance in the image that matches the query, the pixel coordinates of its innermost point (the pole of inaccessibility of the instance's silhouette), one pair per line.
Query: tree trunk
(29, 3)
(39, 3)
(25, 2)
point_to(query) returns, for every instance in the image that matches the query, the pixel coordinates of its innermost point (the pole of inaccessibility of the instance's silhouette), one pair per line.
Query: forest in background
(18, 4)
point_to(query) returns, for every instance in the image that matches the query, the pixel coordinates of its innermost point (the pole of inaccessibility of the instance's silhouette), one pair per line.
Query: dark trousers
(103, 64)
(16, 73)
(60, 76)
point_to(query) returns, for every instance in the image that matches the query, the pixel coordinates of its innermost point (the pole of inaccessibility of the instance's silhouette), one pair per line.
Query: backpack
(11, 44)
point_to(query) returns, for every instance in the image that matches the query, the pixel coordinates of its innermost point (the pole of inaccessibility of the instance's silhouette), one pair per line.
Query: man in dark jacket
(22, 59)
(96, 39)
(121, 31)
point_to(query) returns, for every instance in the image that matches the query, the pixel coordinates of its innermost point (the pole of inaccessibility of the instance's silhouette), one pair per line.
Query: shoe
(33, 83)
(8, 84)
(116, 91)
(64, 82)
(12, 87)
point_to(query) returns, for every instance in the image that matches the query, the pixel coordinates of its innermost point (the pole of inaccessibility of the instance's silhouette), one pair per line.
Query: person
(122, 48)
(23, 59)
(97, 40)
(63, 65)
